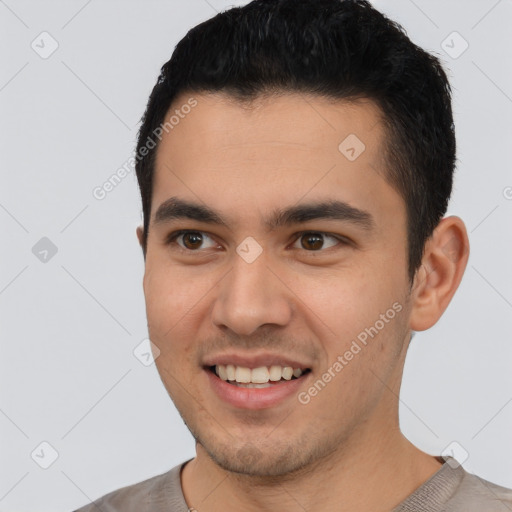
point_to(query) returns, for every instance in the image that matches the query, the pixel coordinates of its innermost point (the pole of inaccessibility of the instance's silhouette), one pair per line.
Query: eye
(313, 240)
(191, 240)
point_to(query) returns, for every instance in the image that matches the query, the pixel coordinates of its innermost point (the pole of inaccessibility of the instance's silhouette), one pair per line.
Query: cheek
(173, 297)
(177, 304)
(345, 301)
(357, 317)
(170, 308)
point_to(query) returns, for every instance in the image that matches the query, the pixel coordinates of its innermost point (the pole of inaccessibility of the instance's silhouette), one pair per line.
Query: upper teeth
(256, 375)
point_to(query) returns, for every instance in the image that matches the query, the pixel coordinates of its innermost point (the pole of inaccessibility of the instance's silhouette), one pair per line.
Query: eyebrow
(176, 208)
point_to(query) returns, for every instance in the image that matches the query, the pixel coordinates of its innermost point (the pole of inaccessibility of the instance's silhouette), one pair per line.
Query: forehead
(276, 149)
(220, 122)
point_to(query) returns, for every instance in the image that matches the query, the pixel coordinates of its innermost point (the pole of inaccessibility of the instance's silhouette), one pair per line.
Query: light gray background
(69, 325)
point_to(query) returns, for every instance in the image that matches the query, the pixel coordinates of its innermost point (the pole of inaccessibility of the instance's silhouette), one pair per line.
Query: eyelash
(171, 239)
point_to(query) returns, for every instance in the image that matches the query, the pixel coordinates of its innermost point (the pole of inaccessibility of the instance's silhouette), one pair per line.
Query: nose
(252, 295)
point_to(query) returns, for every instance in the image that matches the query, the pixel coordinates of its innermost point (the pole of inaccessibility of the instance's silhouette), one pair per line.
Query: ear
(444, 260)
(140, 234)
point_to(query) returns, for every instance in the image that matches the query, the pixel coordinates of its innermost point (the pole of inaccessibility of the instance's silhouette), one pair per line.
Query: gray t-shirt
(450, 489)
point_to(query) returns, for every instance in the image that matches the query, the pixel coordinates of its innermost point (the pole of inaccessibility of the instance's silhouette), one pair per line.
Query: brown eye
(188, 240)
(192, 239)
(315, 241)
(312, 241)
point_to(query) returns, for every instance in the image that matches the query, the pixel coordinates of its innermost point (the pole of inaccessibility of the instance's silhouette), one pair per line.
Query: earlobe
(140, 235)
(444, 262)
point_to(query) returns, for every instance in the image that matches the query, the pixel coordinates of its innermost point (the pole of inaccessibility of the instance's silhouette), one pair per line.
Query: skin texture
(343, 450)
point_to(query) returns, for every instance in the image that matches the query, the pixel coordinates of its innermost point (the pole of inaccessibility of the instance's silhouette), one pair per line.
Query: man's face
(263, 294)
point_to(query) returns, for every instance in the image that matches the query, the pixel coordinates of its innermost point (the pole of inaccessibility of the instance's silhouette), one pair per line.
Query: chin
(250, 460)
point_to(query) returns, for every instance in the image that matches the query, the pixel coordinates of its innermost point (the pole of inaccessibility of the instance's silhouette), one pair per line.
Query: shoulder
(476, 494)
(136, 497)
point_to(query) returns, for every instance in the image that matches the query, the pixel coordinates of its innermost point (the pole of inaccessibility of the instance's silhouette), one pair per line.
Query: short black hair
(338, 49)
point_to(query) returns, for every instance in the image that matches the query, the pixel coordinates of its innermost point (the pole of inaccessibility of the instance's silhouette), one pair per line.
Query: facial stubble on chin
(285, 462)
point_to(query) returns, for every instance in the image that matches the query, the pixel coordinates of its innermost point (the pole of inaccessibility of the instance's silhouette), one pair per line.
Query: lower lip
(255, 398)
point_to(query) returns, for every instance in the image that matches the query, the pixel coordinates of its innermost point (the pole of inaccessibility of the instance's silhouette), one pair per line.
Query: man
(295, 162)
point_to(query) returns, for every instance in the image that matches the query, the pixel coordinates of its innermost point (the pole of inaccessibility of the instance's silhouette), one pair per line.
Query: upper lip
(254, 361)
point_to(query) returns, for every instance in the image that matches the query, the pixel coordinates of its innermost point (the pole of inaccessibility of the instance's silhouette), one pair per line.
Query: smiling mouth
(261, 377)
